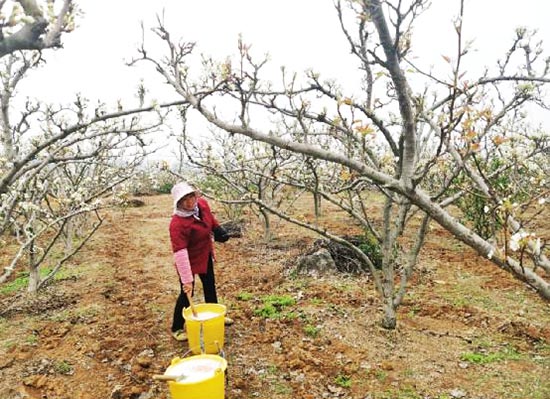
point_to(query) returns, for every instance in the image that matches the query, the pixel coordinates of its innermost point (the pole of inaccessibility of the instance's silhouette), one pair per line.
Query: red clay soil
(102, 331)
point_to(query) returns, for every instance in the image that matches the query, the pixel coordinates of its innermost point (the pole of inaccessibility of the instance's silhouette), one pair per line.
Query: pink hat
(180, 190)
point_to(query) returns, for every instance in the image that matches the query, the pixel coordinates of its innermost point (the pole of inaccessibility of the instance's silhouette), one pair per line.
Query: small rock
(116, 393)
(457, 393)
(144, 362)
(319, 262)
(334, 389)
(277, 346)
(147, 353)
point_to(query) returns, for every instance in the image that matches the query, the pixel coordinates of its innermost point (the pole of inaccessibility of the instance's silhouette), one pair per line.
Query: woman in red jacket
(191, 229)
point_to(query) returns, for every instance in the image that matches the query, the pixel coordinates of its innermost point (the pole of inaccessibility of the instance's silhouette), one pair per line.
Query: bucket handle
(201, 338)
(193, 310)
(164, 377)
(202, 348)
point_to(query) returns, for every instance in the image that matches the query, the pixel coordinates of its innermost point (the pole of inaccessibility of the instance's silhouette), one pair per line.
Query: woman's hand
(188, 288)
(220, 235)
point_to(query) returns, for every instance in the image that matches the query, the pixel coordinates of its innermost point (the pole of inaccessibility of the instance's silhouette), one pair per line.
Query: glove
(220, 235)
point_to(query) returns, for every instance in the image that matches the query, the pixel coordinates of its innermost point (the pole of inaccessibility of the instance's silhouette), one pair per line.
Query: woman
(191, 229)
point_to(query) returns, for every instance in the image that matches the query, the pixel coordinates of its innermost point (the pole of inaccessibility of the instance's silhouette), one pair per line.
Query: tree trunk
(317, 205)
(389, 318)
(267, 225)
(34, 276)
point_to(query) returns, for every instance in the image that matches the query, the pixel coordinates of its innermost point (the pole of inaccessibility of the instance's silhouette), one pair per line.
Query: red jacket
(195, 235)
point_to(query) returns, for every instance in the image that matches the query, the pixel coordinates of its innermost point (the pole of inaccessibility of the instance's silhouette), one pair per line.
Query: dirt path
(103, 330)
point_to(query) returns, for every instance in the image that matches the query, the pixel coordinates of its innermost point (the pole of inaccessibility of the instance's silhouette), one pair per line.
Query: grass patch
(469, 292)
(531, 386)
(8, 344)
(281, 388)
(380, 375)
(245, 296)
(316, 301)
(408, 373)
(525, 383)
(31, 339)
(343, 380)
(272, 369)
(155, 308)
(345, 285)
(413, 311)
(21, 281)
(542, 355)
(312, 331)
(78, 315)
(63, 367)
(274, 305)
(487, 358)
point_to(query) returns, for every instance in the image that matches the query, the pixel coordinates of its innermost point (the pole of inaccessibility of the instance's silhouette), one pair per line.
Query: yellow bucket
(205, 333)
(201, 377)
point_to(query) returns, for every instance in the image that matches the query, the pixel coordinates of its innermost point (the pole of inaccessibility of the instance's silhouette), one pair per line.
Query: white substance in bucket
(195, 370)
(202, 316)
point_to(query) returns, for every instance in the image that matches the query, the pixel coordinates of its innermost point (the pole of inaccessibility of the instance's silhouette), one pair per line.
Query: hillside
(466, 330)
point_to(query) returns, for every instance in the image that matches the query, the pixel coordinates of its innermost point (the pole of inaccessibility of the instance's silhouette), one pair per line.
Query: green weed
(273, 305)
(408, 373)
(64, 273)
(21, 280)
(280, 300)
(291, 315)
(245, 296)
(155, 308)
(311, 331)
(486, 358)
(8, 344)
(281, 388)
(343, 380)
(483, 343)
(268, 312)
(18, 284)
(316, 301)
(413, 311)
(31, 339)
(370, 246)
(381, 375)
(533, 387)
(78, 315)
(61, 316)
(63, 367)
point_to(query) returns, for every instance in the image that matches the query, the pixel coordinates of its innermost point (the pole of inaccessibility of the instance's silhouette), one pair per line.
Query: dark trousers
(209, 287)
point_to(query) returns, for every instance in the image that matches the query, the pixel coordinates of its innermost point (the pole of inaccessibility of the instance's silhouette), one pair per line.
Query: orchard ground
(466, 329)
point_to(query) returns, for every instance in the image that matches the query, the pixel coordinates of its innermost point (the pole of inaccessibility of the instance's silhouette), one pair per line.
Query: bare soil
(466, 330)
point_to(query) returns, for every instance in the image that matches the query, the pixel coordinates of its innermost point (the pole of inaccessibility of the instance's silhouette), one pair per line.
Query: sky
(93, 58)
(299, 34)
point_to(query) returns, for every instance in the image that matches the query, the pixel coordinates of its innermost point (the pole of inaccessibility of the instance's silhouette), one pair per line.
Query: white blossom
(515, 240)
(519, 240)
